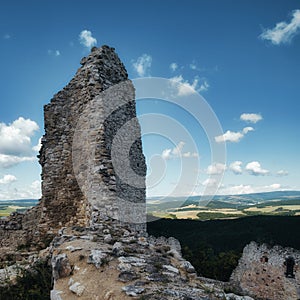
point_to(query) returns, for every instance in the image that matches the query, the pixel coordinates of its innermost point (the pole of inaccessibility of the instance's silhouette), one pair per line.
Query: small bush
(33, 284)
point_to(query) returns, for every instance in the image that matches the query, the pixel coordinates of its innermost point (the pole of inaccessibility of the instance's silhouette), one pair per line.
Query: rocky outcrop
(261, 273)
(125, 267)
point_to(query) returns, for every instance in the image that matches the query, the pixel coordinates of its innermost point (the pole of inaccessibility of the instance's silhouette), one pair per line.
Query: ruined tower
(91, 131)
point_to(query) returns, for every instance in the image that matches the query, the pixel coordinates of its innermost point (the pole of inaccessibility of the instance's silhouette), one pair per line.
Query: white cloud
(216, 168)
(15, 142)
(142, 65)
(247, 129)
(190, 154)
(231, 136)
(203, 87)
(184, 88)
(86, 39)
(282, 173)
(8, 179)
(253, 118)
(254, 168)
(15, 138)
(7, 161)
(238, 190)
(236, 167)
(7, 36)
(274, 186)
(178, 149)
(249, 189)
(37, 147)
(32, 191)
(166, 154)
(54, 52)
(173, 66)
(283, 32)
(209, 182)
(177, 152)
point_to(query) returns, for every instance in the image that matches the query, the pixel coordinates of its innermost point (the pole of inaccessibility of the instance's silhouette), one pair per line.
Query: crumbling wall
(77, 121)
(261, 273)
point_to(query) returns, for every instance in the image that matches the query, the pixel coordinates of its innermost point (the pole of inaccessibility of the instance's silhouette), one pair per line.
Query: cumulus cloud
(247, 129)
(142, 65)
(166, 154)
(173, 66)
(282, 173)
(216, 168)
(236, 167)
(283, 32)
(238, 190)
(7, 161)
(254, 168)
(185, 88)
(38, 146)
(15, 142)
(31, 191)
(8, 179)
(15, 138)
(7, 36)
(252, 118)
(177, 151)
(231, 136)
(209, 182)
(203, 86)
(86, 39)
(249, 189)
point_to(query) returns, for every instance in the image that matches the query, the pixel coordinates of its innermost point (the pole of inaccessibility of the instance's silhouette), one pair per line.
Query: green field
(9, 206)
(227, 207)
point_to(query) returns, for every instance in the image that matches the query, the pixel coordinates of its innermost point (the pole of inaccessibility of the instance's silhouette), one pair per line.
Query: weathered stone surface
(261, 273)
(66, 202)
(126, 276)
(132, 290)
(55, 295)
(77, 288)
(61, 266)
(97, 258)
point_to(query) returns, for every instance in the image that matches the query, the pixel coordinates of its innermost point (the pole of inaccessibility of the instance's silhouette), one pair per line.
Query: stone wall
(261, 273)
(81, 123)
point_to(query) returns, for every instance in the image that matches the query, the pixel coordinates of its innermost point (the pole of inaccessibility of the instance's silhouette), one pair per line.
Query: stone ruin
(82, 154)
(261, 273)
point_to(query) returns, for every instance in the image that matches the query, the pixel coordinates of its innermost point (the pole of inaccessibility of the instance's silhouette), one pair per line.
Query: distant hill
(19, 201)
(236, 199)
(249, 199)
(226, 206)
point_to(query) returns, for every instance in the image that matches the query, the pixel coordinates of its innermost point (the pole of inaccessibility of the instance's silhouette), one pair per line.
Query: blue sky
(241, 56)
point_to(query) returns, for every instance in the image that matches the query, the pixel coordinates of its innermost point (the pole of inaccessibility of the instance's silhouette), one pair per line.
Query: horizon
(190, 196)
